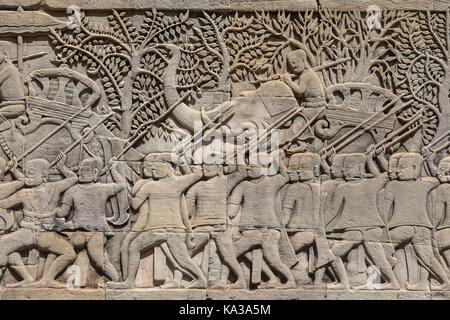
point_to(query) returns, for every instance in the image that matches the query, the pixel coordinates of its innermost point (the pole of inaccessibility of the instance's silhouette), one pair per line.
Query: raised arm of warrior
(139, 198)
(16, 172)
(280, 179)
(235, 177)
(288, 204)
(67, 173)
(432, 182)
(137, 186)
(439, 205)
(190, 178)
(185, 214)
(372, 168)
(324, 164)
(9, 188)
(191, 202)
(388, 203)
(119, 181)
(382, 161)
(66, 204)
(234, 203)
(336, 202)
(429, 155)
(64, 184)
(381, 205)
(12, 200)
(70, 178)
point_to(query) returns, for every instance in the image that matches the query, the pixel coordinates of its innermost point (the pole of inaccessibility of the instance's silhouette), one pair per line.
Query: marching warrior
(359, 221)
(207, 205)
(441, 212)
(86, 203)
(302, 216)
(409, 222)
(259, 223)
(40, 209)
(6, 189)
(166, 223)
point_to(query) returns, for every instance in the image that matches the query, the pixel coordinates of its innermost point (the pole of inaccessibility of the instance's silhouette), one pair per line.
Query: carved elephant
(255, 109)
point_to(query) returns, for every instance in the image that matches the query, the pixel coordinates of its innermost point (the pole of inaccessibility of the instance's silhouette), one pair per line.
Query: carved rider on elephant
(308, 87)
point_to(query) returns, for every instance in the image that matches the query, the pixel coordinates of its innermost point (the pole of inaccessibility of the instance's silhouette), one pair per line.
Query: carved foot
(304, 281)
(362, 287)
(301, 276)
(442, 287)
(220, 284)
(197, 284)
(386, 286)
(19, 284)
(241, 284)
(119, 285)
(171, 284)
(46, 284)
(421, 286)
(271, 284)
(338, 286)
(288, 285)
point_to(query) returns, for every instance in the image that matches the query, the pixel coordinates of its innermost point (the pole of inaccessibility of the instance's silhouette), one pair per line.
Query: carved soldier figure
(308, 87)
(141, 216)
(40, 208)
(409, 221)
(89, 197)
(259, 222)
(359, 220)
(302, 216)
(441, 209)
(166, 223)
(207, 205)
(7, 243)
(329, 186)
(85, 203)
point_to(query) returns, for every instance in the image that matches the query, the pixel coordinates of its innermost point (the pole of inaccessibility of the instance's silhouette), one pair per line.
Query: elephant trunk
(182, 114)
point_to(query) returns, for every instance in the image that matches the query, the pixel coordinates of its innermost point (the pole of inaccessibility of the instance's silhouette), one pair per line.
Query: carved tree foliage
(409, 56)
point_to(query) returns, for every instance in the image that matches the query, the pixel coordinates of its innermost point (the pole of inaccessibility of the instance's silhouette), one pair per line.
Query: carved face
(87, 172)
(443, 172)
(296, 63)
(336, 166)
(306, 168)
(36, 172)
(162, 170)
(351, 169)
(293, 176)
(148, 169)
(254, 172)
(210, 170)
(406, 169)
(392, 168)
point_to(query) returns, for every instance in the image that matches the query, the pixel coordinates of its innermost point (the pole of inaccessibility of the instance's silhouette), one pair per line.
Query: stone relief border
(213, 151)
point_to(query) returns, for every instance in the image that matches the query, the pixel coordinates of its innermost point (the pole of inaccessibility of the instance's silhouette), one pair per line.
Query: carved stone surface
(224, 149)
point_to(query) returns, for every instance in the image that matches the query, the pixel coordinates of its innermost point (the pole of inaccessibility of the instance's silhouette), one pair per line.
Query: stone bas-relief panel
(151, 154)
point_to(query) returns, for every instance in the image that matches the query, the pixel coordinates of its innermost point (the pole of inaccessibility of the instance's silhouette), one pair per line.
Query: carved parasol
(21, 23)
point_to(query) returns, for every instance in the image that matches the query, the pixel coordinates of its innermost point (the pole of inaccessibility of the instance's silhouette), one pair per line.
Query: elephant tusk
(205, 118)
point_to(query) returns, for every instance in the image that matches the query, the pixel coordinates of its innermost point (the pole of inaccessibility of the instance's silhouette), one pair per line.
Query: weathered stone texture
(224, 149)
